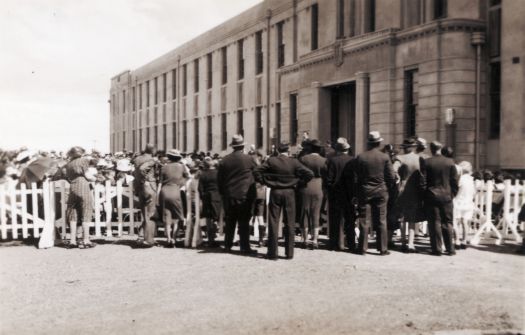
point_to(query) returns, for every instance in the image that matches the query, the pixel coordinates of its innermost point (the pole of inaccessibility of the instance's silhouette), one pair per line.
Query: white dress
(464, 200)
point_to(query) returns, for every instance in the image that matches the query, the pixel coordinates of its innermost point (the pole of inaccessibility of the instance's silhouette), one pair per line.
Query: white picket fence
(25, 211)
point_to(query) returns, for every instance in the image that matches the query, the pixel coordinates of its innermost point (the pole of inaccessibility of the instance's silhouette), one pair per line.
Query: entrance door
(342, 112)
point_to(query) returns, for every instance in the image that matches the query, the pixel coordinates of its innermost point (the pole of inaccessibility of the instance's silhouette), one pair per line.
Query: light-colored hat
(124, 165)
(374, 137)
(237, 141)
(421, 142)
(174, 153)
(342, 144)
(24, 155)
(210, 162)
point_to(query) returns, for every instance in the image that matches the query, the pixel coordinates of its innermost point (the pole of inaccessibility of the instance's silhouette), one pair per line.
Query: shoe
(248, 251)
(288, 257)
(412, 250)
(451, 253)
(384, 253)
(271, 258)
(71, 246)
(213, 244)
(314, 246)
(436, 253)
(463, 246)
(304, 245)
(228, 249)
(170, 245)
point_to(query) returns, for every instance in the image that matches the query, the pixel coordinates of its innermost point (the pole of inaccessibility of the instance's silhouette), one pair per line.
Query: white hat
(24, 155)
(124, 165)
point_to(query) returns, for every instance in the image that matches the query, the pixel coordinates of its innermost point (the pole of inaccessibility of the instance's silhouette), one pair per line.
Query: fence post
(131, 210)
(14, 217)
(36, 217)
(487, 225)
(108, 208)
(47, 237)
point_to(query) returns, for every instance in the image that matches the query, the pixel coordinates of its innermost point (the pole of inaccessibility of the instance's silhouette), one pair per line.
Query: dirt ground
(116, 289)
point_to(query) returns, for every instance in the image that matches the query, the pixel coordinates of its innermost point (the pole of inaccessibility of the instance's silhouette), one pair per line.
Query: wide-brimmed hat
(24, 155)
(174, 153)
(409, 142)
(374, 137)
(124, 165)
(237, 141)
(342, 144)
(315, 143)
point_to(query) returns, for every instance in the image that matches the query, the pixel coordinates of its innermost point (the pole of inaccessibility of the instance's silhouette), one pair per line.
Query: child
(464, 201)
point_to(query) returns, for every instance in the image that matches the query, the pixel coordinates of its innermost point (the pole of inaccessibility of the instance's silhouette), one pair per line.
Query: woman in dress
(211, 199)
(173, 177)
(464, 202)
(80, 200)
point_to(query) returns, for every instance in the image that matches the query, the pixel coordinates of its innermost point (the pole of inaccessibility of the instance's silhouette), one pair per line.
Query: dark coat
(235, 176)
(441, 179)
(335, 165)
(375, 174)
(282, 172)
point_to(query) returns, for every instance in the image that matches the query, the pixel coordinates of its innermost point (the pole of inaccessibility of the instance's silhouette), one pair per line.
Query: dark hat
(316, 143)
(342, 144)
(75, 152)
(409, 142)
(374, 137)
(283, 147)
(237, 141)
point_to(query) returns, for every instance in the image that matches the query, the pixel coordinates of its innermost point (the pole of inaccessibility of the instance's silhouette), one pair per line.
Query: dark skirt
(211, 205)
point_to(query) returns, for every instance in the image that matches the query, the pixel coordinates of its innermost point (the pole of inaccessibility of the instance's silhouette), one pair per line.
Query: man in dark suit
(375, 176)
(338, 212)
(282, 173)
(441, 186)
(237, 188)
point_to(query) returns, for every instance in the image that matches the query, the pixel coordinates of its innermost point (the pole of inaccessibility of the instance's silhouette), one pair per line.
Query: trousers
(148, 201)
(440, 226)
(281, 200)
(237, 211)
(340, 222)
(373, 211)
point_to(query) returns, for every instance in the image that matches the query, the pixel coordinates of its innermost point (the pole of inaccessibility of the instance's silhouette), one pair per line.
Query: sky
(57, 58)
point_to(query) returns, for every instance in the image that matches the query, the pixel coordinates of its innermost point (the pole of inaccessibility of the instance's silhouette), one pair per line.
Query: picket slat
(36, 216)
(63, 206)
(131, 210)
(23, 210)
(97, 210)
(14, 216)
(119, 207)
(108, 208)
(3, 215)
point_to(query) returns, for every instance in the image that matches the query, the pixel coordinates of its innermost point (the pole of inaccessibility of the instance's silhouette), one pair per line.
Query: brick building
(431, 68)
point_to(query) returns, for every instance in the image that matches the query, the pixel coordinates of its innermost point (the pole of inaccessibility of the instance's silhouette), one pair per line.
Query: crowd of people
(379, 190)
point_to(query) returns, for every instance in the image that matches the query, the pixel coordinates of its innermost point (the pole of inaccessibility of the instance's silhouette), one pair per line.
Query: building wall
(406, 37)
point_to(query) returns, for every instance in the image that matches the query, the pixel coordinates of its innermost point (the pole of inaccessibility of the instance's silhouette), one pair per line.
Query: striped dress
(80, 198)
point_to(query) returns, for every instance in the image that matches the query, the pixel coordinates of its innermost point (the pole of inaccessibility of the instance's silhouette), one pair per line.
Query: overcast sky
(57, 58)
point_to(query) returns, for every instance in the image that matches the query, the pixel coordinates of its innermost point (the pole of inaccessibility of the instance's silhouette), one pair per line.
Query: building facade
(431, 68)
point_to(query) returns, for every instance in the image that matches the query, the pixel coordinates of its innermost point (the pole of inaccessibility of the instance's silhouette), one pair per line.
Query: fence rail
(24, 211)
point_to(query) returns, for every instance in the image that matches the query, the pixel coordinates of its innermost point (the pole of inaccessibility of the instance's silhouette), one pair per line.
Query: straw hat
(374, 137)
(342, 144)
(237, 141)
(174, 153)
(124, 165)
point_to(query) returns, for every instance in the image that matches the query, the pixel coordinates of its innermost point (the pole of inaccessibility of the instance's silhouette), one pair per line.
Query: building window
(224, 132)
(140, 140)
(240, 59)
(156, 90)
(223, 98)
(123, 101)
(280, 44)
(412, 13)
(209, 68)
(440, 9)
(314, 39)
(370, 15)
(411, 102)
(340, 32)
(209, 134)
(174, 135)
(185, 135)
(258, 53)
(156, 139)
(278, 123)
(224, 67)
(123, 140)
(258, 127)
(240, 95)
(240, 122)
(164, 137)
(495, 31)
(495, 104)
(147, 93)
(184, 80)
(352, 21)
(164, 87)
(174, 84)
(155, 115)
(196, 75)
(140, 96)
(147, 136)
(133, 97)
(293, 119)
(196, 135)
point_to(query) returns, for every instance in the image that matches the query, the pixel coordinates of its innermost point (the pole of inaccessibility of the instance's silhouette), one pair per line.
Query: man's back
(282, 172)
(441, 178)
(334, 170)
(235, 175)
(374, 173)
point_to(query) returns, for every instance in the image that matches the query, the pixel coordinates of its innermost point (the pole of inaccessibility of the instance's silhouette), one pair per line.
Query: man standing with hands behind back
(441, 186)
(237, 188)
(282, 173)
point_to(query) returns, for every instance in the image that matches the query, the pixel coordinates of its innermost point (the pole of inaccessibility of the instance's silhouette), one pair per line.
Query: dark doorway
(342, 112)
